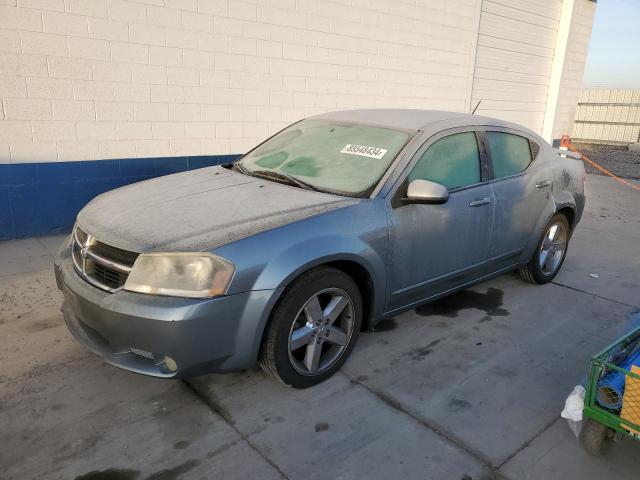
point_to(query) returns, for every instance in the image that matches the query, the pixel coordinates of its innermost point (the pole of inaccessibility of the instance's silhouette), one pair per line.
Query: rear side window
(452, 161)
(510, 154)
(535, 148)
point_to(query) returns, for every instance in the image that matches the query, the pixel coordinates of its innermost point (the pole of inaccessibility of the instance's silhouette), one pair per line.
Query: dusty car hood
(198, 210)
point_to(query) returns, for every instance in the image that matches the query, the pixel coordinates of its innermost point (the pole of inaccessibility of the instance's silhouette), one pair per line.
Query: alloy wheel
(321, 331)
(552, 249)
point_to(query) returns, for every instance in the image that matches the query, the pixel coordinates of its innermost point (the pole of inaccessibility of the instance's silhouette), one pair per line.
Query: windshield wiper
(238, 166)
(290, 179)
(283, 176)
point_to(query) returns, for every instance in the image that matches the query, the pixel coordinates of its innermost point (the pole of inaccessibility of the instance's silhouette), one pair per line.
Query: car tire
(303, 346)
(548, 257)
(595, 437)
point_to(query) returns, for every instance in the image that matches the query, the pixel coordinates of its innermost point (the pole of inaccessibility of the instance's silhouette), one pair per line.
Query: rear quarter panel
(567, 190)
(569, 179)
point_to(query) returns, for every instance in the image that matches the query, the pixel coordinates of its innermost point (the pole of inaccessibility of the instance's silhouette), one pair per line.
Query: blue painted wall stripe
(44, 198)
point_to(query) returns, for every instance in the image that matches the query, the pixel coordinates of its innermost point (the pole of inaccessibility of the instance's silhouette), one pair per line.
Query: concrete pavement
(468, 387)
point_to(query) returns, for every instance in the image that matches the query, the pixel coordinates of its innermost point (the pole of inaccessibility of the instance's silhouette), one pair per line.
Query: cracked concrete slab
(52, 243)
(335, 430)
(606, 243)
(556, 454)
(492, 382)
(473, 381)
(65, 414)
(22, 256)
(76, 421)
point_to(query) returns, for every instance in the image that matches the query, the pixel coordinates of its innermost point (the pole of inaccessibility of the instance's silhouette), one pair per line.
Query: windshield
(330, 156)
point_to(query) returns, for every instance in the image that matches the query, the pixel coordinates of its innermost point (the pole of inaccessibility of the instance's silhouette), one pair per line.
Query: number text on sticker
(364, 151)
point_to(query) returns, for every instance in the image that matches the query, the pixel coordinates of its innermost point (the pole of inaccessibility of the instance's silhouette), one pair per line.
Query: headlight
(193, 275)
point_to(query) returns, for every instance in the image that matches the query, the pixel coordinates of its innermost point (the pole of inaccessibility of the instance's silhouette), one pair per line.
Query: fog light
(171, 364)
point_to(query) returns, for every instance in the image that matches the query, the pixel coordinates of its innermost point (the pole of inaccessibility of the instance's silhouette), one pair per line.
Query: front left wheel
(313, 328)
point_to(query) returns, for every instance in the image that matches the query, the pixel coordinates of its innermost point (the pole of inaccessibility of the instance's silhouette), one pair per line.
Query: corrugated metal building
(608, 116)
(100, 93)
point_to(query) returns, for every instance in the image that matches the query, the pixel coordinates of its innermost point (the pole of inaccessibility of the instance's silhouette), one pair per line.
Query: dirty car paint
(406, 253)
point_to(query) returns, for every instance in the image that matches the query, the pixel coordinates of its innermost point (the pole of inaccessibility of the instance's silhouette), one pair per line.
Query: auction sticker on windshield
(364, 151)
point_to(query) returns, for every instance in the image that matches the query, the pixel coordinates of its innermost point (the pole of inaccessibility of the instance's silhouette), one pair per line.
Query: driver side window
(452, 161)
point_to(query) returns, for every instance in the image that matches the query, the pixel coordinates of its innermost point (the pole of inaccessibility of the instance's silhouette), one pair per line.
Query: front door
(434, 248)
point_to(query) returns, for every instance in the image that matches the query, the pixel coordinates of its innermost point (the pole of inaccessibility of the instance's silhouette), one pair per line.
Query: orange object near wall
(631, 401)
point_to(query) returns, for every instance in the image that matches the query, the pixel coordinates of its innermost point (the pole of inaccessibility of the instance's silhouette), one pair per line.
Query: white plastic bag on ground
(573, 409)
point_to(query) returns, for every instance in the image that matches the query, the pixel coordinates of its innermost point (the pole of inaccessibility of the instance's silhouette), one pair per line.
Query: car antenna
(476, 107)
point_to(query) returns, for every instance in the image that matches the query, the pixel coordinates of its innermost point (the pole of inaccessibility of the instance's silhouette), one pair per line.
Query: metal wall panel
(607, 116)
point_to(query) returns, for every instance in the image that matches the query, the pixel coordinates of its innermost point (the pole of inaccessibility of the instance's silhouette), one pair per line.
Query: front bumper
(138, 332)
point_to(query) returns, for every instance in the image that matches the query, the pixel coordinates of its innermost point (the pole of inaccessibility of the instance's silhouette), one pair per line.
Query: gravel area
(615, 158)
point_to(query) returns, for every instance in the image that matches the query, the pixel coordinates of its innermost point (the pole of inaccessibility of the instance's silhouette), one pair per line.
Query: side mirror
(425, 191)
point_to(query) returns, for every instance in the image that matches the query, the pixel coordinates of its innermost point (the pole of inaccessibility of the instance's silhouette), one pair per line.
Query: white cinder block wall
(515, 52)
(96, 79)
(100, 79)
(573, 69)
(139, 88)
(514, 75)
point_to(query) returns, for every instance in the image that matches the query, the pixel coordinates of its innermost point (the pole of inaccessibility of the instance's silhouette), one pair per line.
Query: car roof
(411, 119)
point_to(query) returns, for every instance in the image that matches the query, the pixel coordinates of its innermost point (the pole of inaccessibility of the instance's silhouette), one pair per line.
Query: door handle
(543, 184)
(480, 201)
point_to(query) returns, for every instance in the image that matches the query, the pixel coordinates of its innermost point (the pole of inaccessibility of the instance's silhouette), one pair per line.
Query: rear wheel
(595, 437)
(550, 253)
(313, 328)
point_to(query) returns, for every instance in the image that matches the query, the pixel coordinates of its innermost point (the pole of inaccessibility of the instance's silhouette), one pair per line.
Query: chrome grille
(100, 264)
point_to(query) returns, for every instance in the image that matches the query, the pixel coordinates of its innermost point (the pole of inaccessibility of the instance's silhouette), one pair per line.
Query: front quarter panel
(272, 259)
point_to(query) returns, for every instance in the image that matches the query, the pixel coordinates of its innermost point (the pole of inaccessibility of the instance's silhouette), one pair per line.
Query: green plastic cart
(611, 412)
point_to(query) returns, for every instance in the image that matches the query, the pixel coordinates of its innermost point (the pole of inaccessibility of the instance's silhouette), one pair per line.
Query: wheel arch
(372, 296)
(569, 212)
(566, 208)
(364, 281)
(361, 273)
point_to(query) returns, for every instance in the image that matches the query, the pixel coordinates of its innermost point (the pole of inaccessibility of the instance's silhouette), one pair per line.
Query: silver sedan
(336, 222)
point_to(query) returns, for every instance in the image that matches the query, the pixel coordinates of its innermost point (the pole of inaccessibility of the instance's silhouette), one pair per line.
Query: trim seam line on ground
(217, 411)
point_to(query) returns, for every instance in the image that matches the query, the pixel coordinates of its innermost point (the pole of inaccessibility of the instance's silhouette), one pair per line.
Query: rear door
(521, 184)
